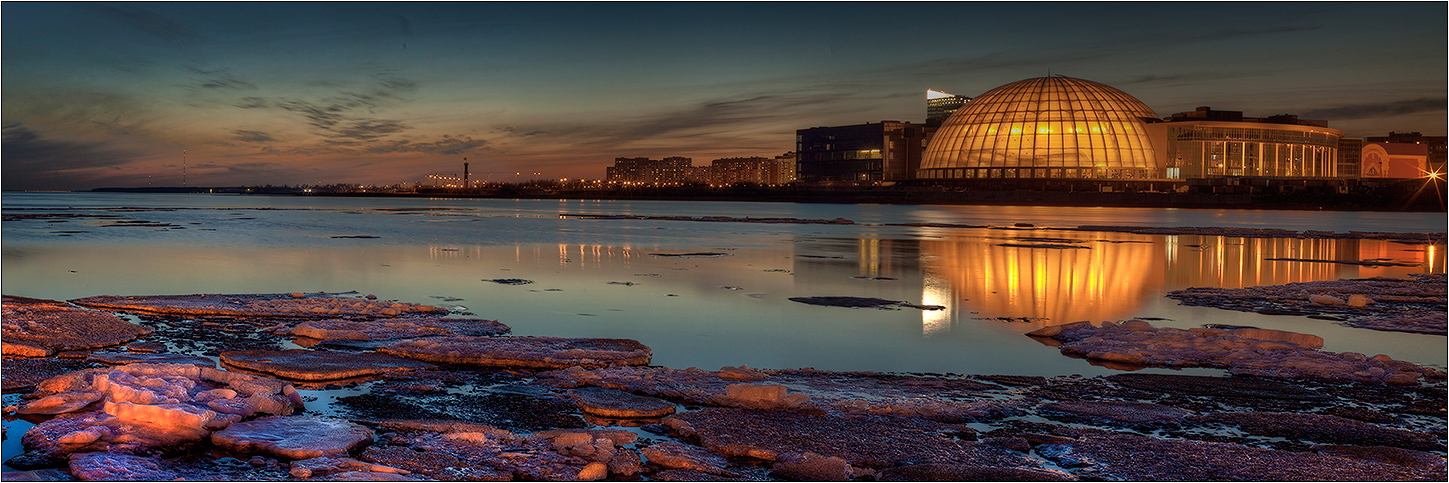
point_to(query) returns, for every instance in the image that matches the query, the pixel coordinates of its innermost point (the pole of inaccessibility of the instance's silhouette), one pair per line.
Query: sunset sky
(98, 94)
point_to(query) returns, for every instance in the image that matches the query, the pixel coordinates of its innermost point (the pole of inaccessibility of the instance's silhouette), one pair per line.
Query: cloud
(33, 162)
(252, 136)
(1175, 80)
(218, 79)
(447, 146)
(346, 117)
(145, 20)
(1383, 109)
(251, 103)
(711, 118)
(370, 129)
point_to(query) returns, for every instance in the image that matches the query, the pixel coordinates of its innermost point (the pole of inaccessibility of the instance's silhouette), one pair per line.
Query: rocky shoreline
(431, 397)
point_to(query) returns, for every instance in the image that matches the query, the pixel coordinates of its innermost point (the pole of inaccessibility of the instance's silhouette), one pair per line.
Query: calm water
(603, 278)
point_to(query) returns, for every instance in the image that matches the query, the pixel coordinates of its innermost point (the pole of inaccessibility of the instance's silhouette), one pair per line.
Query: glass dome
(1047, 127)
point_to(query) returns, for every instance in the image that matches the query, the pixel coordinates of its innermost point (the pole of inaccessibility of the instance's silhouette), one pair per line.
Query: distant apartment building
(862, 153)
(1436, 146)
(782, 169)
(674, 169)
(729, 171)
(940, 106)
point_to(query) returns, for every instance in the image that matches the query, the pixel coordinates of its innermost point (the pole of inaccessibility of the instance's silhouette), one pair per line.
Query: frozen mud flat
(511, 418)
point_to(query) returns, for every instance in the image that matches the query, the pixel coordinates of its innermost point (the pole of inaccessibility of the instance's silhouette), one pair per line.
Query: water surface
(606, 278)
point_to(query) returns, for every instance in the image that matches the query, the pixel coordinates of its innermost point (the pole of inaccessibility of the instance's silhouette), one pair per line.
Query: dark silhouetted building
(940, 106)
(863, 153)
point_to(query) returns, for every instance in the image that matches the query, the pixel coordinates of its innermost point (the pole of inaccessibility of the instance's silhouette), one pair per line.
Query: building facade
(1349, 163)
(1394, 160)
(1437, 146)
(863, 153)
(1208, 144)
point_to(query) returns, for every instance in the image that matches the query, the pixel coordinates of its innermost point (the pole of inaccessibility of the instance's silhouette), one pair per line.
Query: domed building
(1047, 127)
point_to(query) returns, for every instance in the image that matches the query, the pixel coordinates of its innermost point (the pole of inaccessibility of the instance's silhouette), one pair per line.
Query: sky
(120, 94)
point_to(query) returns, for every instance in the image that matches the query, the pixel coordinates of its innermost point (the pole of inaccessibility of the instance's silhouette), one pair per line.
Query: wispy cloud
(218, 79)
(251, 136)
(145, 20)
(347, 116)
(1371, 110)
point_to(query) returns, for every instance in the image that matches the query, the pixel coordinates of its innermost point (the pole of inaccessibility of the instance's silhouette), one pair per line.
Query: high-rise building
(940, 106)
(863, 153)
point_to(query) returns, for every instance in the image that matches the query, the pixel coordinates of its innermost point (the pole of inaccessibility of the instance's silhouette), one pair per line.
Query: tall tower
(465, 172)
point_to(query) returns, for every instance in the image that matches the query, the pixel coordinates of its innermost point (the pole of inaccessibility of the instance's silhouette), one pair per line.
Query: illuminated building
(782, 169)
(1060, 127)
(673, 169)
(1394, 160)
(940, 106)
(1205, 143)
(1438, 146)
(1349, 163)
(863, 153)
(1047, 127)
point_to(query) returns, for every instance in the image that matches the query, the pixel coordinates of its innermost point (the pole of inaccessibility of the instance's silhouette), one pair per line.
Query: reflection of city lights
(936, 291)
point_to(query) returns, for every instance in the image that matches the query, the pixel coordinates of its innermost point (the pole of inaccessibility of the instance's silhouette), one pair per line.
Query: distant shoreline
(1424, 202)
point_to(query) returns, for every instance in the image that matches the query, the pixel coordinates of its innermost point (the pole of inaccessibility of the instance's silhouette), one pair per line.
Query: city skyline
(300, 93)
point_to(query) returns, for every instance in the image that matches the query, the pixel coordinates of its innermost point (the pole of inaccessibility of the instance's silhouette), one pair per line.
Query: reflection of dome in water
(1047, 127)
(1107, 282)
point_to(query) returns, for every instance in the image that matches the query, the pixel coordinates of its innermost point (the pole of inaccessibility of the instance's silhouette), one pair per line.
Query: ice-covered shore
(447, 402)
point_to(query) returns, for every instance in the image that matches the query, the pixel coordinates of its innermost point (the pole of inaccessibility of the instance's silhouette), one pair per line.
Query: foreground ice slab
(253, 305)
(145, 407)
(308, 365)
(39, 328)
(524, 352)
(1251, 352)
(1402, 305)
(297, 437)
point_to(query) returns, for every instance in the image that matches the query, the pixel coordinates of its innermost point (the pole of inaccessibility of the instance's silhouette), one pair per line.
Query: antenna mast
(183, 168)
